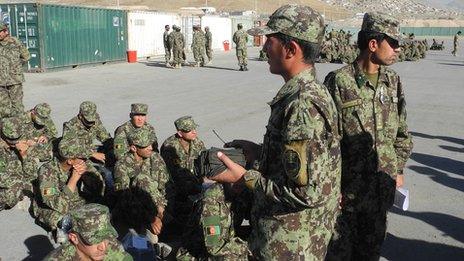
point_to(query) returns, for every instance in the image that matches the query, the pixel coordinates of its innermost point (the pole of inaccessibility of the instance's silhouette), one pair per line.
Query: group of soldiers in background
(174, 42)
(337, 48)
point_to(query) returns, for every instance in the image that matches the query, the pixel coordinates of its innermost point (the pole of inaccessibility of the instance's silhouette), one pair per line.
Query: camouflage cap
(382, 23)
(70, 148)
(298, 21)
(3, 26)
(42, 113)
(185, 124)
(12, 128)
(139, 108)
(92, 223)
(140, 137)
(88, 110)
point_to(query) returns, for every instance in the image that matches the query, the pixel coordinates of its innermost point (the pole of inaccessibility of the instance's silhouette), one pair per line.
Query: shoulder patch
(50, 191)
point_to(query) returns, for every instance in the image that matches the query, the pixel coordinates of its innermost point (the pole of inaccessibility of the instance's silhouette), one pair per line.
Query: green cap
(88, 110)
(92, 223)
(3, 26)
(139, 108)
(298, 21)
(382, 23)
(70, 148)
(141, 137)
(42, 113)
(185, 123)
(11, 128)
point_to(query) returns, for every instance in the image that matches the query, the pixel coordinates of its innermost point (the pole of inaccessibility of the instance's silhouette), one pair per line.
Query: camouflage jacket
(198, 40)
(31, 131)
(180, 163)
(176, 40)
(297, 187)
(13, 54)
(240, 39)
(373, 121)
(166, 40)
(208, 39)
(67, 252)
(54, 195)
(13, 169)
(87, 136)
(151, 176)
(121, 143)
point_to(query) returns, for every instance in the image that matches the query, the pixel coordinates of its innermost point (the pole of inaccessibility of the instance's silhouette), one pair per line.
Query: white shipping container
(146, 30)
(247, 23)
(187, 29)
(220, 30)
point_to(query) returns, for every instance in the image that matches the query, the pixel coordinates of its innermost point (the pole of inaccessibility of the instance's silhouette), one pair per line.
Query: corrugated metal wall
(220, 29)
(146, 31)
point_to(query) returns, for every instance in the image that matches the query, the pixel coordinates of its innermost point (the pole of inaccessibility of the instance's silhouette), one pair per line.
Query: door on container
(23, 24)
(117, 41)
(187, 29)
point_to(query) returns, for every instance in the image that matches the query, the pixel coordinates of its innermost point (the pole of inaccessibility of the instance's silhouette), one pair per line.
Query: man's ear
(291, 48)
(373, 45)
(73, 238)
(132, 148)
(179, 133)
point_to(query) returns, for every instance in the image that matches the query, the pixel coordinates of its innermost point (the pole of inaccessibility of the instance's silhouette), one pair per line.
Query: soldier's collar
(361, 78)
(292, 86)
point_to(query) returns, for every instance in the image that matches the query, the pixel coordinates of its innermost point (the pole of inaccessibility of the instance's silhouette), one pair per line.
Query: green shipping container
(63, 36)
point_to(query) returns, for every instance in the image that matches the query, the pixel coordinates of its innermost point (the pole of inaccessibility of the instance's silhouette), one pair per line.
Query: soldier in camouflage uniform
(39, 130)
(66, 182)
(87, 127)
(138, 119)
(177, 43)
(17, 168)
(91, 237)
(375, 144)
(240, 39)
(456, 43)
(13, 54)
(144, 169)
(179, 151)
(167, 46)
(297, 185)
(198, 46)
(209, 44)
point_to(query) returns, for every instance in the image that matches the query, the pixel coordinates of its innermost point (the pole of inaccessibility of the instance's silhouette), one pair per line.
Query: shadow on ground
(440, 177)
(38, 247)
(441, 163)
(445, 138)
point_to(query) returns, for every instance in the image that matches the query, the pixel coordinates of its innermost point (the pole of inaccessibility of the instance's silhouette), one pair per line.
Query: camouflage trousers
(14, 191)
(167, 54)
(199, 55)
(11, 100)
(242, 57)
(177, 56)
(455, 50)
(209, 53)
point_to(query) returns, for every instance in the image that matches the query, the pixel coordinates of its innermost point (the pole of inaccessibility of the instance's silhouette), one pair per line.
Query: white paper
(402, 198)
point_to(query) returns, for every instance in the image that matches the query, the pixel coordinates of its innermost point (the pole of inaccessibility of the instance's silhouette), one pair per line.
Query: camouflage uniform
(180, 165)
(55, 199)
(375, 147)
(209, 43)
(87, 135)
(37, 123)
(92, 223)
(121, 142)
(13, 54)
(296, 189)
(16, 172)
(167, 47)
(177, 43)
(240, 38)
(455, 43)
(198, 46)
(150, 174)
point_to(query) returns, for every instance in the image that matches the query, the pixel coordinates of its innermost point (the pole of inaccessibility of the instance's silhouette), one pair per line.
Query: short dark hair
(365, 36)
(310, 50)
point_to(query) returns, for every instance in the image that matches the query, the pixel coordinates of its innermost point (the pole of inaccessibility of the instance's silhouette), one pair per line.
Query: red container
(226, 45)
(131, 56)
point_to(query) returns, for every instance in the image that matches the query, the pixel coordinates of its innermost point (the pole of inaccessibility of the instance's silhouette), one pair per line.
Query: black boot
(245, 68)
(241, 68)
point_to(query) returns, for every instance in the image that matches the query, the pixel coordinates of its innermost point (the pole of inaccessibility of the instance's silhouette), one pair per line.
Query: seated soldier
(87, 127)
(40, 130)
(17, 168)
(138, 119)
(66, 182)
(144, 169)
(91, 237)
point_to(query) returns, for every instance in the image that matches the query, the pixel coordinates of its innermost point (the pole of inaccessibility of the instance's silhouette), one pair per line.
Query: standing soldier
(198, 46)
(13, 54)
(138, 119)
(241, 39)
(209, 44)
(375, 140)
(167, 46)
(177, 43)
(297, 187)
(456, 43)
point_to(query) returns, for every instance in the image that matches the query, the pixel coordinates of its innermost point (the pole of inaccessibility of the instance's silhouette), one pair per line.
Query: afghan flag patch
(49, 191)
(213, 230)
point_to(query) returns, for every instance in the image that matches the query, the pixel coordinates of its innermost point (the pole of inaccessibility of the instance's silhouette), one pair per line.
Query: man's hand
(99, 156)
(250, 149)
(232, 174)
(399, 180)
(157, 225)
(78, 169)
(22, 147)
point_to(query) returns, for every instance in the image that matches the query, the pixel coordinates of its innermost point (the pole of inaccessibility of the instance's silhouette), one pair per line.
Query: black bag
(209, 165)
